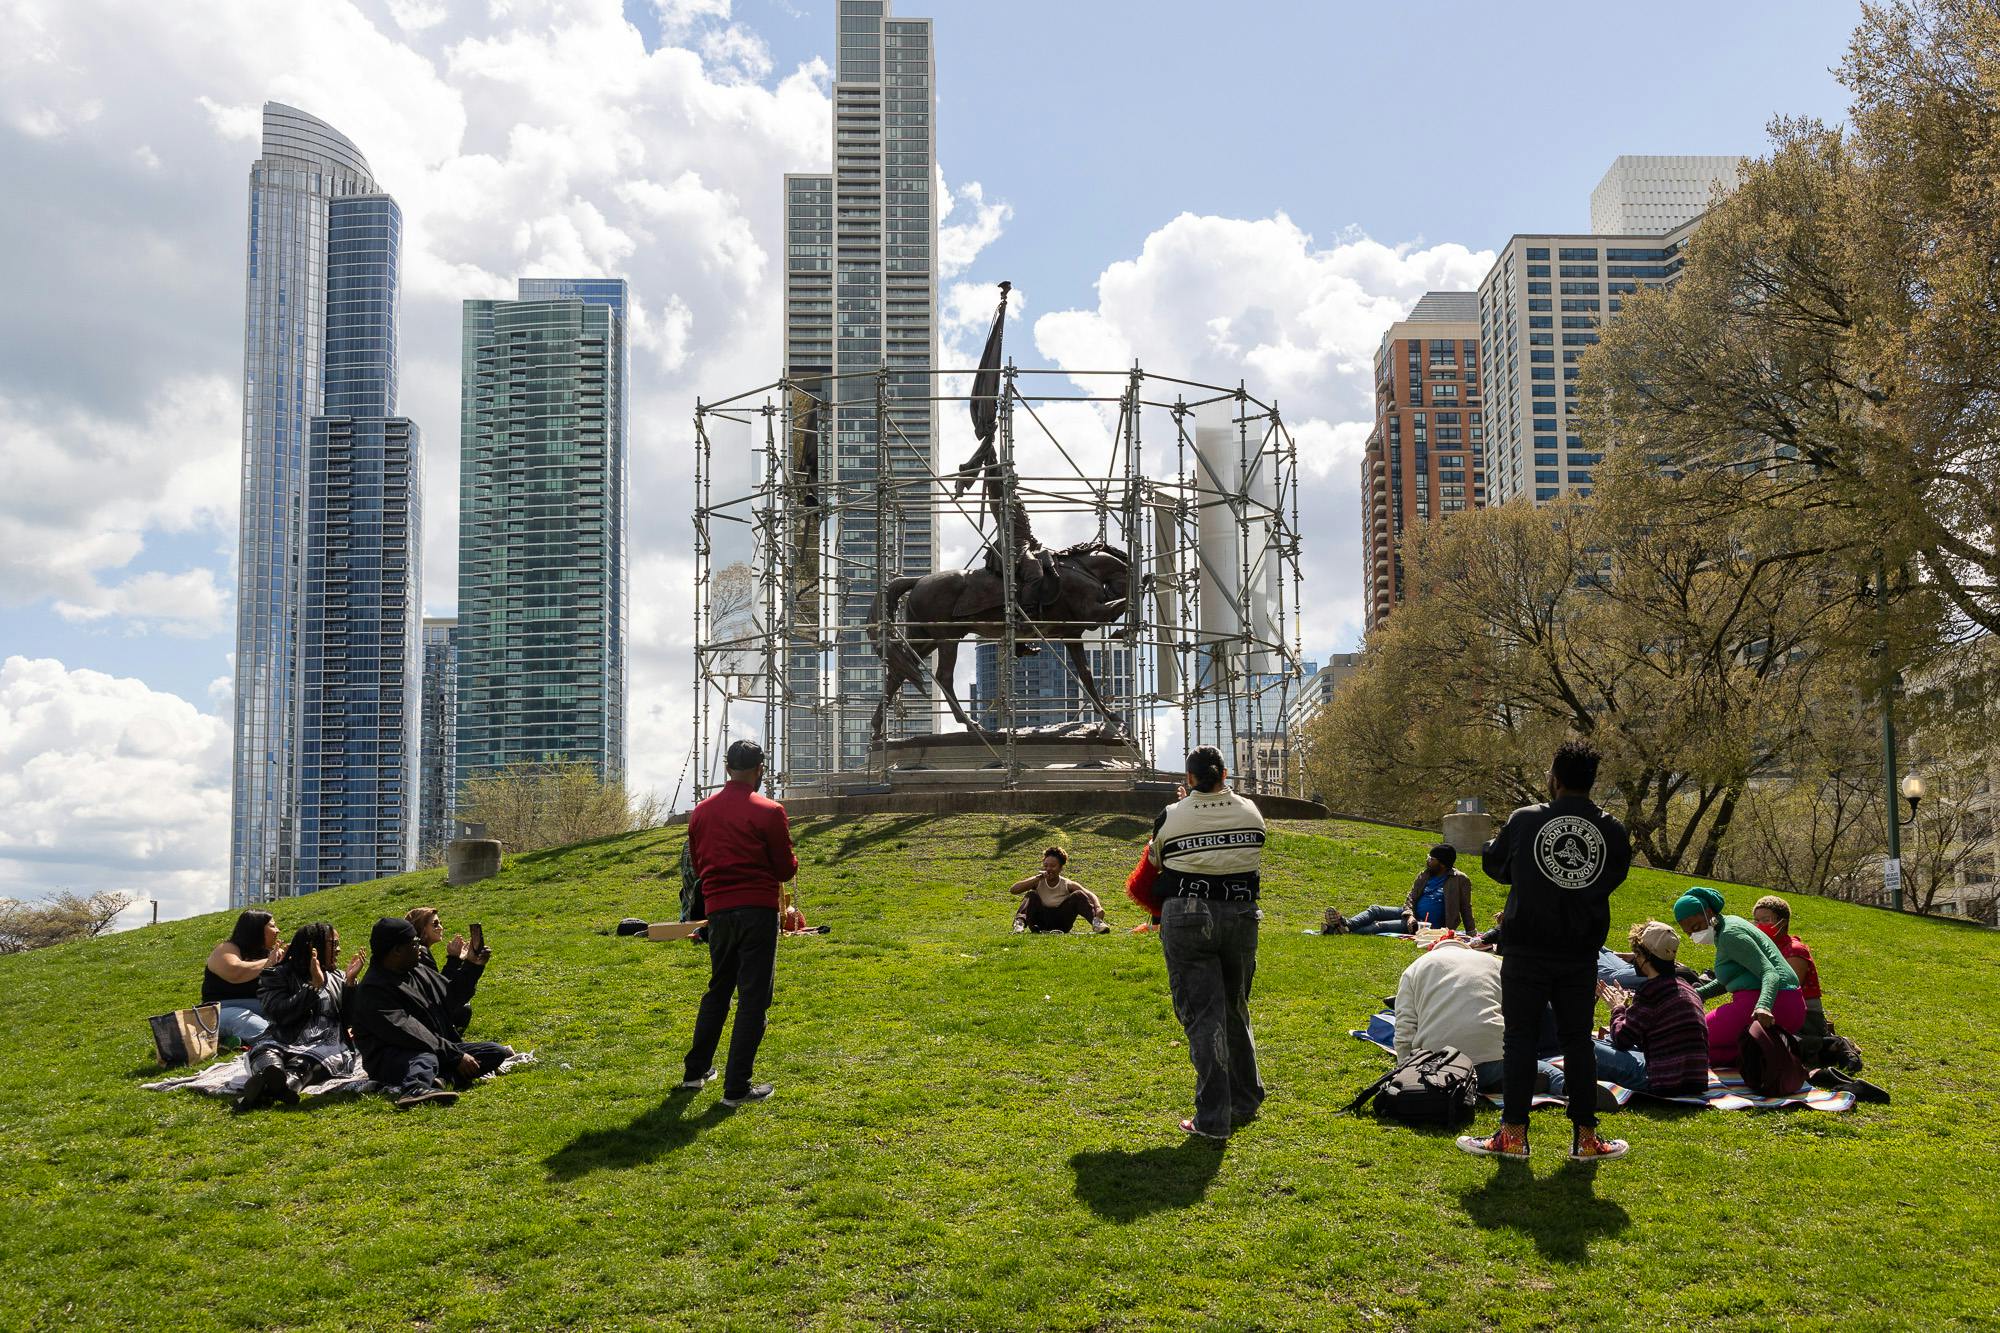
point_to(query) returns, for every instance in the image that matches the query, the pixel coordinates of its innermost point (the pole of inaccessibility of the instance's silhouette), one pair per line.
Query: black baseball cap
(744, 756)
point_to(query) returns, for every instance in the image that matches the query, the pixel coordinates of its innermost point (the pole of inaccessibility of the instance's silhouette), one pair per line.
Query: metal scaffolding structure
(1200, 489)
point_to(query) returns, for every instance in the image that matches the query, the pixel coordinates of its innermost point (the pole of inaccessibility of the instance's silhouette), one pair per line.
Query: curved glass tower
(306, 166)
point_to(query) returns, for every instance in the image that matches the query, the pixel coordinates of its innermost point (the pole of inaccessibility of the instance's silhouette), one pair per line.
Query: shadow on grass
(1021, 837)
(859, 838)
(1126, 1186)
(1124, 828)
(1560, 1213)
(652, 1133)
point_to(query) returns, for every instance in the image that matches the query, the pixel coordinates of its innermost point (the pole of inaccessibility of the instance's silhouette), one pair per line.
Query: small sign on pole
(1892, 877)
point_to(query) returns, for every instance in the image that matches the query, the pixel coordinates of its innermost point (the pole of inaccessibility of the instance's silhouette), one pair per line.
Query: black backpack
(1429, 1088)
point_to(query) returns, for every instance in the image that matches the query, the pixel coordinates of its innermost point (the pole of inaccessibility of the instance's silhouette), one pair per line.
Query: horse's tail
(884, 611)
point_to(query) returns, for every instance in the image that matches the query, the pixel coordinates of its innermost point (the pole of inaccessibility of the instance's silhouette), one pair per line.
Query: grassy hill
(973, 1130)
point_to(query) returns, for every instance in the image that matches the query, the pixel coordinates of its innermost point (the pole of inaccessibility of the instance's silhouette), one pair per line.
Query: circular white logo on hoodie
(1570, 851)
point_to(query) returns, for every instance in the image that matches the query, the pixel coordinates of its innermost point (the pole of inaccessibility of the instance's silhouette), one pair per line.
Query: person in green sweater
(1748, 968)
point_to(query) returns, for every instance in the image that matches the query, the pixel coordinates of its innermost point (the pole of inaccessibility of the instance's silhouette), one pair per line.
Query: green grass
(973, 1130)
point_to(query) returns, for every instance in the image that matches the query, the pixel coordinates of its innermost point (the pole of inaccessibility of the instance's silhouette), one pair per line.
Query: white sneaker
(760, 1093)
(696, 1084)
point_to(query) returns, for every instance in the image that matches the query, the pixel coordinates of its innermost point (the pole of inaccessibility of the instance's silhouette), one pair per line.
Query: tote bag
(187, 1036)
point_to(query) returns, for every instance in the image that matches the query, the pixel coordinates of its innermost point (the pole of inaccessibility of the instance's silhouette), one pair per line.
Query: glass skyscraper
(541, 553)
(437, 784)
(327, 565)
(861, 295)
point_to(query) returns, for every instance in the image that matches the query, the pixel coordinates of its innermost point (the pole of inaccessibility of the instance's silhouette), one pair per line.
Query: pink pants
(1727, 1023)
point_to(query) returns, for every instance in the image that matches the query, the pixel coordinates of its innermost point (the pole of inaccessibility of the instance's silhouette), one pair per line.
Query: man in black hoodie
(402, 1017)
(1561, 860)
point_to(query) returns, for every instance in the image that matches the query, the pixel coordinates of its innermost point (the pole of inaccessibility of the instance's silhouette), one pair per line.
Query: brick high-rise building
(1426, 456)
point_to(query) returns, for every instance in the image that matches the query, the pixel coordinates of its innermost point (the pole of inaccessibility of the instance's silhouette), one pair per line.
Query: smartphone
(478, 938)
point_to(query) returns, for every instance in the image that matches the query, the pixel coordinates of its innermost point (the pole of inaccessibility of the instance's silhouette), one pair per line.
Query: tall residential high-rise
(1650, 196)
(1540, 306)
(1546, 296)
(437, 783)
(1426, 455)
(541, 531)
(861, 297)
(1045, 694)
(327, 554)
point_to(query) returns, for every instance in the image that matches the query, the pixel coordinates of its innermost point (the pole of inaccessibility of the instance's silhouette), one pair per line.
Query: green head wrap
(1697, 901)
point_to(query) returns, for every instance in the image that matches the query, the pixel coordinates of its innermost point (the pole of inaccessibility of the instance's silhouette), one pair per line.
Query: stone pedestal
(1468, 832)
(469, 860)
(1077, 755)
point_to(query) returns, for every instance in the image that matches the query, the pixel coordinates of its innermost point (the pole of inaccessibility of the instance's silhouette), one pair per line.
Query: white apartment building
(1652, 195)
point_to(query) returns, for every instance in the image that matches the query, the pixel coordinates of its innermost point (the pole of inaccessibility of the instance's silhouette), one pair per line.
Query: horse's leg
(1079, 659)
(894, 679)
(947, 666)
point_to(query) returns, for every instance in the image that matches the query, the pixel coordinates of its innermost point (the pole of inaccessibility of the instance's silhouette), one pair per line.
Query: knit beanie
(390, 933)
(1697, 901)
(1446, 854)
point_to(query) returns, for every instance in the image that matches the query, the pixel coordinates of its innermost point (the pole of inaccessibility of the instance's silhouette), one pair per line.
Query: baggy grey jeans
(1211, 952)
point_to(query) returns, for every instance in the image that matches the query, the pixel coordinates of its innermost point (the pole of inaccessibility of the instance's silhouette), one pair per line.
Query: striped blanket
(1726, 1090)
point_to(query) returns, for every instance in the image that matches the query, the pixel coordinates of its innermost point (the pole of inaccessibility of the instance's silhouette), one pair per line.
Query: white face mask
(1706, 935)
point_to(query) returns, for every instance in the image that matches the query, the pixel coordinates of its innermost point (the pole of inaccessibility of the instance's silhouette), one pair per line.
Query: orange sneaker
(1510, 1141)
(1588, 1147)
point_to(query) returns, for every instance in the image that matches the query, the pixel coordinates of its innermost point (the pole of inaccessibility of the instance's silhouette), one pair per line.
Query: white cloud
(188, 605)
(960, 243)
(79, 492)
(1228, 299)
(107, 784)
(417, 15)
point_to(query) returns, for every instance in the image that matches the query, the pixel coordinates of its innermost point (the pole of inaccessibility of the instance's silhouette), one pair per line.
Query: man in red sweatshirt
(742, 848)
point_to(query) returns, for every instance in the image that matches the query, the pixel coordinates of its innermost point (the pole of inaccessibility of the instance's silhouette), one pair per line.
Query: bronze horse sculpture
(1092, 582)
(1059, 595)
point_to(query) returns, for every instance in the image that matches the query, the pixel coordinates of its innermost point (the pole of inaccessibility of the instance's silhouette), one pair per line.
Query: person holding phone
(402, 1021)
(464, 963)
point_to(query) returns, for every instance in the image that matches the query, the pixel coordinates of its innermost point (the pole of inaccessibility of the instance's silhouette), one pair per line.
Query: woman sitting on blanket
(1659, 1035)
(1761, 985)
(1441, 896)
(304, 1001)
(230, 977)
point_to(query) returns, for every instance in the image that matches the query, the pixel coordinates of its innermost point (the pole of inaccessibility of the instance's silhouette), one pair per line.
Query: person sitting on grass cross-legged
(401, 1017)
(1658, 1041)
(1561, 860)
(1761, 985)
(305, 999)
(742, 850)
(1441, 896)
(1050, 902)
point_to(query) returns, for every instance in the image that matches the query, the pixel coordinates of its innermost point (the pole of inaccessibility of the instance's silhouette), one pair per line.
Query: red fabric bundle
(1141, 885)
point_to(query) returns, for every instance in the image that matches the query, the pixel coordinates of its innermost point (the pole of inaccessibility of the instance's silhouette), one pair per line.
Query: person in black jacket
(304, 999)
(463, 964)
(1561, 860)
(401, 1015)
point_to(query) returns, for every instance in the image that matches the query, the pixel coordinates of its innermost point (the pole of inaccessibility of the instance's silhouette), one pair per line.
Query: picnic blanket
(1726, 1090)
(225, 1078)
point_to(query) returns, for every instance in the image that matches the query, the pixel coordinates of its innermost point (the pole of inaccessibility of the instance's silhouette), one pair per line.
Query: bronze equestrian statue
(1060, 595)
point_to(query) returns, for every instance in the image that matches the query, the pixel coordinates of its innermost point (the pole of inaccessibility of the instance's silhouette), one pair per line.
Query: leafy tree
(1833, 341)
(552, 804)
(1693, 654)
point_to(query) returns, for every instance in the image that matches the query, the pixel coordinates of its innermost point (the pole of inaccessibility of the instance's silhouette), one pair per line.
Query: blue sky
(1248, 190)
(1409, 122)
